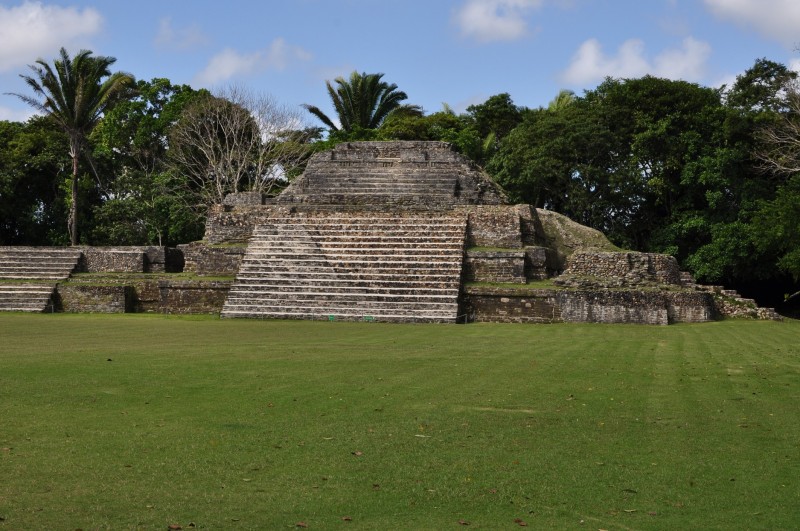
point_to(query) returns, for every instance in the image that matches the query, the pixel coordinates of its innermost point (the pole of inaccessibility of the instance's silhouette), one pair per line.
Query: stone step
(324, 268)
(354, 308)
(39, 251)
(416, 281)
(390, 286)
(410, 174)
(344, 245)
(32, 276)
(431, 237)
(294, 293)
(378, 183)
(25, 266)
(25, 289)
(382, 191)
(37, 263)
(416, 317)
(340, 302)
(365, 259)
(380, 232)
(25, 297)
(289, 247)
(433, 219)
(389, 198)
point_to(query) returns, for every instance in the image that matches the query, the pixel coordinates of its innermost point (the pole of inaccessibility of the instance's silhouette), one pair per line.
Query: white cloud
(179, 39)
(590, 64)
(775, 19)
(688, 62)
(727, 81)
(230, 63)
(794, 65)
(495, 20)
(32, 30)
(15, 115)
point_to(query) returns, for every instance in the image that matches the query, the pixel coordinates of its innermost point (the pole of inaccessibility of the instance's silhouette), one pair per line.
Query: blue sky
(454, 51)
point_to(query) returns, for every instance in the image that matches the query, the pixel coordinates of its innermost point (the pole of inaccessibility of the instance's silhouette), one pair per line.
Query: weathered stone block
(494, 266)
(494, 226)
(624, 268)
(96, 299)
(212, 260)
(244, 198)
(187, 297)
(100, 260)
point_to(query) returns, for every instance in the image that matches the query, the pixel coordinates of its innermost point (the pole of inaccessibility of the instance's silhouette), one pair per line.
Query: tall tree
(74, 93)
(143, 202)
(236, 141)
(362, 102)
(33, 156)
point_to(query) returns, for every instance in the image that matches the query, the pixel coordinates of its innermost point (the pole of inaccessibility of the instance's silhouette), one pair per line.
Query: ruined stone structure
(384, 231)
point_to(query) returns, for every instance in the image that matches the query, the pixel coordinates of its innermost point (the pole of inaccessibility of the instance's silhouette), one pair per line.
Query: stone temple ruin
(376, 231)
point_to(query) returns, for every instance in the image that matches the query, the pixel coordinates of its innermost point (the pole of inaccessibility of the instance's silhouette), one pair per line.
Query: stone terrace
(350, 267)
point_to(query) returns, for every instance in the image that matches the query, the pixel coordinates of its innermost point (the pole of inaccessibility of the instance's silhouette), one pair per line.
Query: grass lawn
(136, 421)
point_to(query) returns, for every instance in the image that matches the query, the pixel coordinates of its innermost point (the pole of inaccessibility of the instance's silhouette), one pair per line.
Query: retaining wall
(531, 305)
(631, 267)
(144, 296)
(212, 260)
(131, 259)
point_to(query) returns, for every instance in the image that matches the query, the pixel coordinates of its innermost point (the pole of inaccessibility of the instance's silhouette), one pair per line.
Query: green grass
(134, 421)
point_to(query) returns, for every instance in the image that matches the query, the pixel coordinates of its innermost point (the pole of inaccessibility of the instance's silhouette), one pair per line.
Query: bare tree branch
(234, 141)
(780, 151)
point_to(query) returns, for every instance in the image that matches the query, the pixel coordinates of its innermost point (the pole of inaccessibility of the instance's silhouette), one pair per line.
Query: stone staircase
(729, 302)
(28, 276)
(424, 185)
(339, 267)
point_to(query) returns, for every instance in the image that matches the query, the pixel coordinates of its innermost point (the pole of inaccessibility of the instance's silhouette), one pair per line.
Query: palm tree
(564, 99)
(363, 101)
(74, 95)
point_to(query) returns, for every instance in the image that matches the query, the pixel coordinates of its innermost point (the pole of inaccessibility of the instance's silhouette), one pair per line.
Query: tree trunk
(72, 222)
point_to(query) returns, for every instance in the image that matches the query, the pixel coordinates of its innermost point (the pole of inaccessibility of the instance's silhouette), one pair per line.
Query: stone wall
(606, 306)
(144, 296)
(75, 298)
(113, 261)
(624, 268)
(498, 305)
(187, 297)
(532, 305)
(494, 266)
(691, 307)
(539, 263)
(204, 259)
(131, 259)
(493, 226)
(244, 198)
